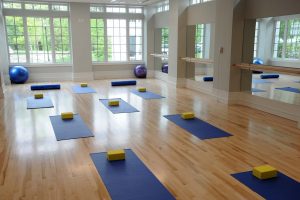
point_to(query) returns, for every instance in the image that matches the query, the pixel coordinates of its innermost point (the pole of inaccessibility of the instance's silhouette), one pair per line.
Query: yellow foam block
(83, 84)
(67, 115)
(113, 103)
(142, 89)
(264, 172)
(38, 96)
(188, 115)
(116, 155)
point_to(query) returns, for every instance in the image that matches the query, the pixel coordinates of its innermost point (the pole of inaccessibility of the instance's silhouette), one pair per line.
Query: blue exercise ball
(18, 74)
(258, 61)
(165, 68)
(140, 71)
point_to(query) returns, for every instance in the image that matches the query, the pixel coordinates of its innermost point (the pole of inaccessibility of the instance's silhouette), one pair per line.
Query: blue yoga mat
(33, 103)
(129, 179)
(289, 89)
(198, 128)
(123, 83)
(147, 95)
(45, 87)
(269, 76)
(282, 187)
(260, 81)
(124, 107)
(70, 129)
(82, 90)
(257, 90)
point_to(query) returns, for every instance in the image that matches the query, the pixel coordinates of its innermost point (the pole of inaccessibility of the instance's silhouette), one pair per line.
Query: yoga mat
(123, 83)
(269, 76)
(129, 179)
(45, 87)
(260, 81)
(198, 128)
(282, 187)
(147, 95)
(289, 89)
(257, 90)
(124, 107)
(33, 103)
(208, 79)
(70, 129)
(82, 90)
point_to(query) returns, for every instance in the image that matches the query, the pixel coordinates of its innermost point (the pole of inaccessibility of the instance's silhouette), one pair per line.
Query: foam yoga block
(264, 172)
(208, 79)
(188, 115)
(67, 115)
(45, 87)
(267, 76)
(142, 89)
(116, 155)
(113, 103)
(83, 84)
(123, 83)
(38, 96)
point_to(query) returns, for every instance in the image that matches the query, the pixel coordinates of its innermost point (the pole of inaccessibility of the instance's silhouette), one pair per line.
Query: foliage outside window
(199, 41)
(165, 41)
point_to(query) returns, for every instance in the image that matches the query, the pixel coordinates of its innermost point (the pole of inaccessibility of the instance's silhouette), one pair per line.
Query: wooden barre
(159, 55)
(198, 60)
(269, 68)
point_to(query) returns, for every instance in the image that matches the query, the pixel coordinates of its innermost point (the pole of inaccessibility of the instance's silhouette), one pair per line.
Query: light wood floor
(34, 166)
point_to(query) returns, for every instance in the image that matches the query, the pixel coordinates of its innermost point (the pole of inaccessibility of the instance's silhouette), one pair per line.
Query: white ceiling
(131, 2)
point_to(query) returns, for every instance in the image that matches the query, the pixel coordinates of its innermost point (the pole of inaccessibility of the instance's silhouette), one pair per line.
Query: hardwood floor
(34, 166)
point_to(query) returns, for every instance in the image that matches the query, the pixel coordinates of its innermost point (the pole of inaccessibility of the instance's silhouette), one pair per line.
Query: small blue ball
(258, 61)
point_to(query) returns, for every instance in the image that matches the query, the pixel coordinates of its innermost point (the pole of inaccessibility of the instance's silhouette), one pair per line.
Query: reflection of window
(116, 40)
(199, 41)
(256, 39)
(15, 39)
(165, 41)
(60, 7)
(287, 39)
(97, 39)
(116, 9)
(192, 2)
(36, 6)
(12, 5)
(135, 40)
(163, 7)
(62, 40)
(135, 10)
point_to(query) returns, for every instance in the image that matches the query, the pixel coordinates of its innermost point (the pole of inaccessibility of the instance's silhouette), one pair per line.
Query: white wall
(204, 13)
(4, 63)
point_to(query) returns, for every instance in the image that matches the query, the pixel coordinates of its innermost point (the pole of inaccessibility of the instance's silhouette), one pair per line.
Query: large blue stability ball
(258, 61)
(18, 74)
(165, 68)
(140, 71)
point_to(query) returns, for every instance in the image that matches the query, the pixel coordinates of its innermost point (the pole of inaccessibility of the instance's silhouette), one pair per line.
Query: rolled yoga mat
(33, 103)
(129, 179)
(45, 87)
(208, 79)
(147, 95)
(269, 76)
(123, 83)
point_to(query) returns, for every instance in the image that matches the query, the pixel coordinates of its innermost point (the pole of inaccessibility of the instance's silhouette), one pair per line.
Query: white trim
(83, 76)
(119, 63)
(45, 77)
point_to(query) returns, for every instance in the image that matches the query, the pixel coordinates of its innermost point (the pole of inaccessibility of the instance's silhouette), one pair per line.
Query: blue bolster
(45, 87)
(122, 83)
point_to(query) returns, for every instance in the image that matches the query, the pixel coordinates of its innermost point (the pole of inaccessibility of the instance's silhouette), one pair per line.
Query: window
(116, 9)
(256, 39)
(165, 41)
(135, 10)
(163, 7)
(15, 39)
(62, 40)
(39, 40)
(192, 2)
(135, 40)
(287, 39)
(36, 6)
(12, 5)
(95, 8)
(60, 7)
(97, 40)
(199, 41)
(116, 40)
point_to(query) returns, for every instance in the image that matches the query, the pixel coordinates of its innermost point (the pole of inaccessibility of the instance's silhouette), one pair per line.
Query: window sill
(285, 60)
(119, 63)
(42, 65)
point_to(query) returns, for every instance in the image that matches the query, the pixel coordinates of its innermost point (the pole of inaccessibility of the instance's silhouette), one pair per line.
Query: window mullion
(105, 40)
(52, 40)
(285, 39)
(27, 48)
(127, 39)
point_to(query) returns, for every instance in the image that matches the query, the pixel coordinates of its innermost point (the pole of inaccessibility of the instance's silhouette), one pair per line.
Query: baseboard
(50, 77)
(120, 74)
(83, 76)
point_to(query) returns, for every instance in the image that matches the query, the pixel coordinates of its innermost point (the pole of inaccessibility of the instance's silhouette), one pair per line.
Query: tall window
(165, 41)
(15, 39)
(62, 40)
(116, 40)
(162, 7)
(256, 39)
(287, 39)
(135, 40)
(97, 39)
(199, 41)
(192, 2)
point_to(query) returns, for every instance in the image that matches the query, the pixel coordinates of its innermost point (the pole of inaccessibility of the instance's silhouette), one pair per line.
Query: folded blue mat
(267, 76)
(289, 89)
(45, 87)
(257, 90)
(260, 81)
(70, 129)
(129, 179)
(198, 128)
(33, 103)
(282, 187)
(82, 90)
(147, 95)
(208, 79)
(123, 83)
(124, 107)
